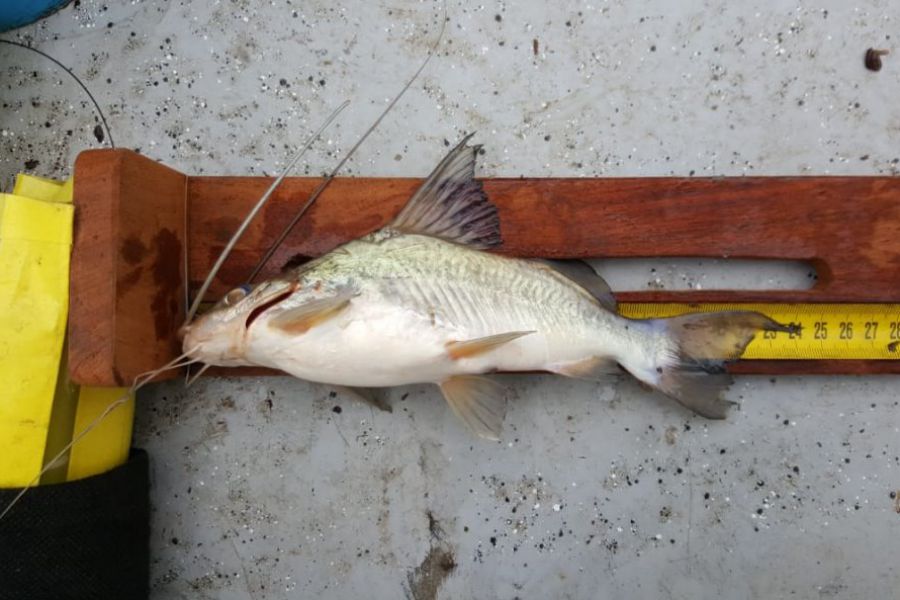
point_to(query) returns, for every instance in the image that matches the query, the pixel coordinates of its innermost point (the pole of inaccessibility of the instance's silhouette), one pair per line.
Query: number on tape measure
(823, 331)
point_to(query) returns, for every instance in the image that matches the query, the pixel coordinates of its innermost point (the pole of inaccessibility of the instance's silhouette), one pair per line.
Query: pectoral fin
(469, 348)
(479, 402)
(370, 396)
(315, 312)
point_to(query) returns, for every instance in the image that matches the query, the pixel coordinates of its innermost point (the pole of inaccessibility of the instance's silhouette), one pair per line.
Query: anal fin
(480, 403)
(469, 348)
(591, 368)
(699, 390)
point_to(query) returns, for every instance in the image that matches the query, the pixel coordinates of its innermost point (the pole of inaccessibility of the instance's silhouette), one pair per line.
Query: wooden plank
(848, 227)
(127, 266)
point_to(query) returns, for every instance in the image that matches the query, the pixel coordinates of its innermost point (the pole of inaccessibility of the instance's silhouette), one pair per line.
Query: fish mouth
(213, 352)
(193, 343)
(223, 347)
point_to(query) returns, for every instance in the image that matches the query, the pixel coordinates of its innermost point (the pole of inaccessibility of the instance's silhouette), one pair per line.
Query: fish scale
(481, 292)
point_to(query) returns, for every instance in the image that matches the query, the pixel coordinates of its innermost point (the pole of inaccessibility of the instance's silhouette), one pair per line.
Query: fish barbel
(420, 301)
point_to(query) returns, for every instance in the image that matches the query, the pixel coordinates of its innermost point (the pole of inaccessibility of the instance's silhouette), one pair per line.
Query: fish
(424, 300)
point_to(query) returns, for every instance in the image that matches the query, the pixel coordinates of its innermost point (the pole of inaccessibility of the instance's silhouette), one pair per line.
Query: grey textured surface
(270, 488)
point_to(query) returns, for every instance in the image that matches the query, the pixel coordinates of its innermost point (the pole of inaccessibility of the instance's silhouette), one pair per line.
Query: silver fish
(420, 301)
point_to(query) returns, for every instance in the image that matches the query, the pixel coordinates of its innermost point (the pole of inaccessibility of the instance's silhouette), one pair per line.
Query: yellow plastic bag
(35, 245)
(35, 242)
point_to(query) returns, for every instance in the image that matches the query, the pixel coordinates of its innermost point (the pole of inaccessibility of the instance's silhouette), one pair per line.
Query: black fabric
(87, 539)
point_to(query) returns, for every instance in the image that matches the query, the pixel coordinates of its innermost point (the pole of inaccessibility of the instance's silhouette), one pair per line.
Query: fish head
(220, 335)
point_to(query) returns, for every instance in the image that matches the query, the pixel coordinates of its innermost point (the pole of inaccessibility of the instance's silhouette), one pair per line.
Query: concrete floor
(275, 488)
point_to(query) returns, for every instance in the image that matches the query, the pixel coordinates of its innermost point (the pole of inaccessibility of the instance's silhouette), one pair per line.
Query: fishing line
(315, 195)
(109, 135)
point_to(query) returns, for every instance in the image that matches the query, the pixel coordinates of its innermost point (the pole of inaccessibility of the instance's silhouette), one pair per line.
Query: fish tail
(691, 351)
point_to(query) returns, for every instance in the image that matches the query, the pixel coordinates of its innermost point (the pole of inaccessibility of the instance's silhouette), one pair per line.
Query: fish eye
(236, 295)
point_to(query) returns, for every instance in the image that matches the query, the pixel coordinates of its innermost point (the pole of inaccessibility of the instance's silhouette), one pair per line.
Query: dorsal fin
(451, 204)
(585, 276)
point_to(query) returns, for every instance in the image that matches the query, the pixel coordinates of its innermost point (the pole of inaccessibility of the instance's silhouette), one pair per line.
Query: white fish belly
(380, 344)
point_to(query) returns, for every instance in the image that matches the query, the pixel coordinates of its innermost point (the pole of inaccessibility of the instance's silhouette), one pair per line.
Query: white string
(139, 381)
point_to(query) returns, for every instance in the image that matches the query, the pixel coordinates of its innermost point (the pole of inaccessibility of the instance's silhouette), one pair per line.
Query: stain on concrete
(424, 582)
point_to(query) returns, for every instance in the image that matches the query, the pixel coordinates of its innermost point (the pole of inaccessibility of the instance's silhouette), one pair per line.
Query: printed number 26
(846, 330)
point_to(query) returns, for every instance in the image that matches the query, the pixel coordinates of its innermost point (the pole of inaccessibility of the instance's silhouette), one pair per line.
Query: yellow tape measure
(828, 331)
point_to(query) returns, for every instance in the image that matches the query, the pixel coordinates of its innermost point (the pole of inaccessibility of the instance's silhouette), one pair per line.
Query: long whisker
(290, 226)
(186, 356)
(139, 381)
(259, 204)
(196, 376)
(179, 361)
(112, 406)
(191, 362)
(145, 377)
(143, 380)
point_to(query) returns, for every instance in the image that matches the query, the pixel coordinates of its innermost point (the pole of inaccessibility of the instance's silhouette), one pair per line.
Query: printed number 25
(821, 330)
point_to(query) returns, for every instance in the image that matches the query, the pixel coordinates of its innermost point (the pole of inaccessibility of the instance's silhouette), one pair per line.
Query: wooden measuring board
(136, 218)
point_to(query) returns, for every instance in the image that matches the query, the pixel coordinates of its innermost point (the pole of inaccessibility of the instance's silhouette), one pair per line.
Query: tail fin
(691, 368)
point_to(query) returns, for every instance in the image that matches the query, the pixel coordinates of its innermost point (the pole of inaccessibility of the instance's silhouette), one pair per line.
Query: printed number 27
(871, 329)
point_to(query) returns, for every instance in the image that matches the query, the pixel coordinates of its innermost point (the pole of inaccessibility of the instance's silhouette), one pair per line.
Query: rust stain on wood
(133, 250)
(130, 280)
(166, 276)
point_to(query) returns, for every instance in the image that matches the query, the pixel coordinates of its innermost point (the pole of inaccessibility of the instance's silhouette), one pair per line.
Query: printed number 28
(895, 330)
